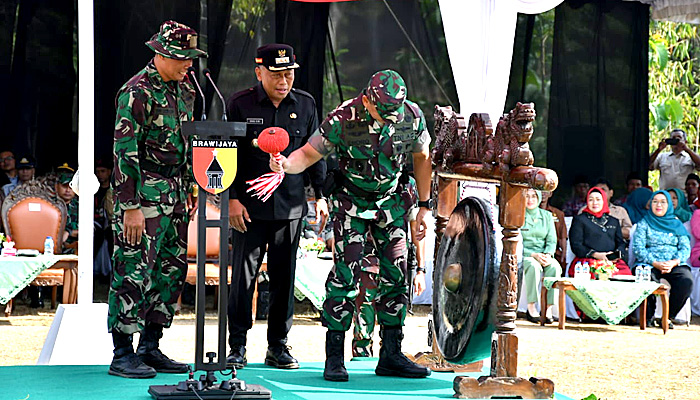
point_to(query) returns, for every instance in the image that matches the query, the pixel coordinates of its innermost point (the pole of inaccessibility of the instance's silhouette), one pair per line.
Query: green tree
(674, 93)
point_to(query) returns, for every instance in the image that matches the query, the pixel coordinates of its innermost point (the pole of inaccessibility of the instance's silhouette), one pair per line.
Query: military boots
(392, 362)
(335, 366)
(150, 354)
(125, 363)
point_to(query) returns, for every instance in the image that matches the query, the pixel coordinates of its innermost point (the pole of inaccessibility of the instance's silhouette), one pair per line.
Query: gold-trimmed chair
(29, 215)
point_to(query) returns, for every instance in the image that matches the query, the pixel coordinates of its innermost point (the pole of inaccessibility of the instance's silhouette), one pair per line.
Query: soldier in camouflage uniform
(372, 135)
(363, 320)
(151, 178)
(64, 174)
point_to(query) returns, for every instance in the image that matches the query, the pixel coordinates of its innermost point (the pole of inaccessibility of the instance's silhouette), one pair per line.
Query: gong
(465, 284)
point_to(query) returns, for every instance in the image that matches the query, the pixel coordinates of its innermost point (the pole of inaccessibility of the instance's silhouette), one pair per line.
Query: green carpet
(93, 382)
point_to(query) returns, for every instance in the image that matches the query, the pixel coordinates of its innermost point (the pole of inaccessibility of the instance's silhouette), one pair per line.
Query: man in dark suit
(273, 226)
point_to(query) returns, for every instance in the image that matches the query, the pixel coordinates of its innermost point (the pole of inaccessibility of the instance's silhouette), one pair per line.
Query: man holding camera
(674, 167)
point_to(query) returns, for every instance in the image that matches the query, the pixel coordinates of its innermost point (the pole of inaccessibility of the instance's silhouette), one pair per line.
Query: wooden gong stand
(473, 152)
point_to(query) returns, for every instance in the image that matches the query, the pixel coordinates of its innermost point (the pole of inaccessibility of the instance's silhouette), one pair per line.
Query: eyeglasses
(8, 158)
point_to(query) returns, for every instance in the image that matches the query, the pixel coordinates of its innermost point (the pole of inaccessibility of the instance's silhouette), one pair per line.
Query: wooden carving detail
(476, 152)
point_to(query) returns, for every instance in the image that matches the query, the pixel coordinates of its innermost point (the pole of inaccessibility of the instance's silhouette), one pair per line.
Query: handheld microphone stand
(211, 135)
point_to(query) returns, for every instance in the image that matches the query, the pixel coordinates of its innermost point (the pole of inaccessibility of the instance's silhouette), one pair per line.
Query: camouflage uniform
(71, 224)
(371, 158)
(364, 317)
(151, 172)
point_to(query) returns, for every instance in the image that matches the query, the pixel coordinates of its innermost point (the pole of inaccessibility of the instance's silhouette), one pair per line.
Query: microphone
(207, 73)
(199, 90)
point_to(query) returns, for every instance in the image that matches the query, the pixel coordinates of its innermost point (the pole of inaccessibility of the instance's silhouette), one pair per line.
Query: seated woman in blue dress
(539, 245)
(662, 241)
(596, 235)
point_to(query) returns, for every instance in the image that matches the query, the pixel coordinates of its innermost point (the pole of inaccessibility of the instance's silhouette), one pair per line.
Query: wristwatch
(429, 204)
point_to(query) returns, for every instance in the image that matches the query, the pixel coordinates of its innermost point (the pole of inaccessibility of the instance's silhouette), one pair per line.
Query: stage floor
(93, 382)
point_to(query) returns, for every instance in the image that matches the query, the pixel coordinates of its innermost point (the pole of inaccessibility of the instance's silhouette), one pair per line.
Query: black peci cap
(276, 57)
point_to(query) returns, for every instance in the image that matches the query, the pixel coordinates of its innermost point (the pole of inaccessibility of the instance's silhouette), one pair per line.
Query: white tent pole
(86, 148)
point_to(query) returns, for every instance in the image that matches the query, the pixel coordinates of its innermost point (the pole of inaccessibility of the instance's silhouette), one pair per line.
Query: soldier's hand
(237, 215)
(275, 165)
(421, 225)
(191, 204)
(321, 213)
(134, 226)
(663, 144)
(419, 283)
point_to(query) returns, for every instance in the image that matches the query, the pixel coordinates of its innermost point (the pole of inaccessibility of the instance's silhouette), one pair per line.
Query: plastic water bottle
(586, 271)
(639, 274)
(647, 273)
(48, 246)
(577, 270)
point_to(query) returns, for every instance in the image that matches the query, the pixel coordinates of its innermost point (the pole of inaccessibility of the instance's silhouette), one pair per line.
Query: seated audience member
(695, 231)
(596, 235)
(64, 175)
(680, 205)
(104, 204)
(632, 183)
(662, 241)
(692, 183)
(637, 204)
(618, 212)
(539, 244)
(7, 165)
(578, 200)
(674, 166)
(559, 224)
(25, 173)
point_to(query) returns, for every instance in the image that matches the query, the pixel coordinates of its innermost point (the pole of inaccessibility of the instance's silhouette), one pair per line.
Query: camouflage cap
(175, 40)
(387, 91)
(65, 173)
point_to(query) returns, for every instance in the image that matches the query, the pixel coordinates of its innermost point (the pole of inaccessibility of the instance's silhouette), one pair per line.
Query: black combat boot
(151, 355)
(236, 358)
(125, 363)
(335, 367)
(392, 362)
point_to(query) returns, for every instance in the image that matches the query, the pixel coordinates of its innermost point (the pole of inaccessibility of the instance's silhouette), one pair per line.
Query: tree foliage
(674, 93)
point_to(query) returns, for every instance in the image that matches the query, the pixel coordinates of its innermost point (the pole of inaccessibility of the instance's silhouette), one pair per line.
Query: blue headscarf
(636, 204)
(682, 211)
(668, 223)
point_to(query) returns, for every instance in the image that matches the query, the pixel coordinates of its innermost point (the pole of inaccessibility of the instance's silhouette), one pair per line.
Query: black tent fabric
(38, 73)
(121, 29)
(598, 111)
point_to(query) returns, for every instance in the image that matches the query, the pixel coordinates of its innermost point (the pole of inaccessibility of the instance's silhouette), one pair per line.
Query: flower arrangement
(603, 267)
(311, 244)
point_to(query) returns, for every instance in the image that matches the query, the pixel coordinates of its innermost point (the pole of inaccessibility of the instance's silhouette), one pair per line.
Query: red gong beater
(272, 140)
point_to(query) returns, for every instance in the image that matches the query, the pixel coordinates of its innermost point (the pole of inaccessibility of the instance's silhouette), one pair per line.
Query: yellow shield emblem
(214, 163)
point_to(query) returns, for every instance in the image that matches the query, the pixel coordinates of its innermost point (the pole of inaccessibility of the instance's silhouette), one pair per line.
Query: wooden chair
(211, 271)
(29, 215)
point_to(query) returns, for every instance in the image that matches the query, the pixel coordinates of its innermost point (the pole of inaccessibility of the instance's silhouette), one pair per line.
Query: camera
(672, 141)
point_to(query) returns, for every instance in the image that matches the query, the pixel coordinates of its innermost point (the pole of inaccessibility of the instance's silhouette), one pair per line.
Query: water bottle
(586, 271)
(48, 246)
(647, 273)
(639, 274)
(577, 270)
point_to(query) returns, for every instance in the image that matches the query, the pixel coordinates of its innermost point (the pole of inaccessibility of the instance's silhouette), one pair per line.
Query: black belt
(167, 171)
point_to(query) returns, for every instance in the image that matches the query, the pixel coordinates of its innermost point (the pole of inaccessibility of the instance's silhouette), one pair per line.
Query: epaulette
(303, 93)
(242, 93)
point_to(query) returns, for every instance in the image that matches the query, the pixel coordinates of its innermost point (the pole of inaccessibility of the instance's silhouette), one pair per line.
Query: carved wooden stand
(473, 152)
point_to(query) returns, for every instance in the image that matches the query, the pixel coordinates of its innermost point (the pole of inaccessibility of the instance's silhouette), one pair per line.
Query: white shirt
(673, 169)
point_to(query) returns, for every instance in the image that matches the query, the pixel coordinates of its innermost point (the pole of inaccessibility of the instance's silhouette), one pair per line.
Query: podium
(214, 149)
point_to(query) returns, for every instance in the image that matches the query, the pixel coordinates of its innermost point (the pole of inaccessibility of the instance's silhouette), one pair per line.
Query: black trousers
(681, 280)
(281, 239)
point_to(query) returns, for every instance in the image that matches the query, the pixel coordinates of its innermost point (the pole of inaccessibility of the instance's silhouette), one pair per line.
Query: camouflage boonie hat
(387, 90)
(175, 40)
(65, 173)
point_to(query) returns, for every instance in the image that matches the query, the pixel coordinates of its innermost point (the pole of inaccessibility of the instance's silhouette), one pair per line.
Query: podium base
(488, 387)
(168, 392)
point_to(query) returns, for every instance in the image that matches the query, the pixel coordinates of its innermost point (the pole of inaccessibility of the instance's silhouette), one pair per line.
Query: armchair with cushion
(29, 215)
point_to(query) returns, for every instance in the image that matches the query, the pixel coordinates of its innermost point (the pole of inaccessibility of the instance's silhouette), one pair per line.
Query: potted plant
(603, 269)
